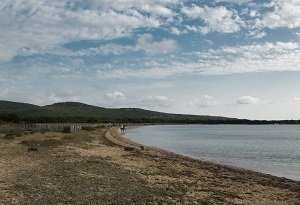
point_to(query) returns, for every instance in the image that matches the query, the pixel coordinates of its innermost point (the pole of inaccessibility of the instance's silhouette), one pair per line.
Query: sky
(234, 58)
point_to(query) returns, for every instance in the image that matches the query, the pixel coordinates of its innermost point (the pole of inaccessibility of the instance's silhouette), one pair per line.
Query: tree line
(14, 118)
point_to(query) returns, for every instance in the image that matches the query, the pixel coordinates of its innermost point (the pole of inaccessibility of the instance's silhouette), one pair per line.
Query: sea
(271, 149)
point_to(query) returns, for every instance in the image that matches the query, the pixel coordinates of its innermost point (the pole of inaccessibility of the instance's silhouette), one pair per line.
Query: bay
(272, 149)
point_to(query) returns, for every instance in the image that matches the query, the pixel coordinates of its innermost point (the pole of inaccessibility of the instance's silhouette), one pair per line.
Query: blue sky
(235, 58)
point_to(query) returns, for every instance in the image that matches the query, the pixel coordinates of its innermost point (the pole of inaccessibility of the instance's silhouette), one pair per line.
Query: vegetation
(85, 167)
(87, 128)
(10, 132)
(82, 113)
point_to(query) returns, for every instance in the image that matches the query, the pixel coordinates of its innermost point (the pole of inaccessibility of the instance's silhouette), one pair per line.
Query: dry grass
(86, 168)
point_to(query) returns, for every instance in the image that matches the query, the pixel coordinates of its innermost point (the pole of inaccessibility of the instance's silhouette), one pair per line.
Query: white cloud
(157, 10)
(254, 13)
(116, 95)
(278, 56)
(144, 43)
(107, 49)
(285, 14)
(245, 100)
(296, 99)
(218, 19)
(157, 101)
(40, 96)
(235, 1)
(204, 102)
(256, 34)
(154, 7)
(39, 26)
(64, 94)
(175, 31)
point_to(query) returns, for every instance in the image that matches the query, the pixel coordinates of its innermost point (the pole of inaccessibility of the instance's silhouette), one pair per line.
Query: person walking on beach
(122, 128)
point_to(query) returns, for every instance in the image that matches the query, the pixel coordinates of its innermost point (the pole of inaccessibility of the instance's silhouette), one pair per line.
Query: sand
(101, 167)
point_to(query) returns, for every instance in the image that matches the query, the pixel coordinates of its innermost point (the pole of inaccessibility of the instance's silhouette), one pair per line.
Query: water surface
(272, 149)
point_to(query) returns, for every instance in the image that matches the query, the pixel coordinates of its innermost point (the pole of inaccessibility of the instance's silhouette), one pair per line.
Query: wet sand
(101, 167)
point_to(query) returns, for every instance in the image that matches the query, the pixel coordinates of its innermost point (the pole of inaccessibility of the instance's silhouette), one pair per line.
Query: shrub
(101, 126)
(12, 133)
(129, 149)
(32, 148)
(67, 129)
(87, 128)
(24, 142)
(8, 136)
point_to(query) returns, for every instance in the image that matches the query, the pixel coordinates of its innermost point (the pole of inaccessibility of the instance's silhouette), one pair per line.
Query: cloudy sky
(235, 58)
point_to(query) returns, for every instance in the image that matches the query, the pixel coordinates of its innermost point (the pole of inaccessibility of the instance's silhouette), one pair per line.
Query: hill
(13, 106)
(80, 112)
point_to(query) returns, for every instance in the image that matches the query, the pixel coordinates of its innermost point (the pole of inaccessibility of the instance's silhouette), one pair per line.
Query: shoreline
(118, 139)
(207, 160)
(251, 187)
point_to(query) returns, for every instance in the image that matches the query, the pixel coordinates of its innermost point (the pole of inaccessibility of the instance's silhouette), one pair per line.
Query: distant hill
(80, 112)
(13, 106)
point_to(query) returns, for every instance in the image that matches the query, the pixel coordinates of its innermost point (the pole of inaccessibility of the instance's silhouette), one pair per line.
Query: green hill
(80, 112)
(13, 106)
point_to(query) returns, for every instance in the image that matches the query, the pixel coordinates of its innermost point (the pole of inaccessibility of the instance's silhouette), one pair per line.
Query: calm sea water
(272, 149)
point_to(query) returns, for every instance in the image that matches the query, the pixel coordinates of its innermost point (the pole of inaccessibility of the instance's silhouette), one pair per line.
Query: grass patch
(8, 137)
(42, 143)
(10, 132)
(88, 128)
(32, 148)
(50, 143)
(68, 137)
(205, 202)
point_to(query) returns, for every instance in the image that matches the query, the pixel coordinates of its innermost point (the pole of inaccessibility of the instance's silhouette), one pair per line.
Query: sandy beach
(102, 167)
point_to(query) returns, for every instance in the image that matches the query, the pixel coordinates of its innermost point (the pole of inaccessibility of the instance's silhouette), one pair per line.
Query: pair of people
(123, 128)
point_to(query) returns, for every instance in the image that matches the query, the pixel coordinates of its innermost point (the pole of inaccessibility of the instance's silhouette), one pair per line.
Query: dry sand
(101, 167)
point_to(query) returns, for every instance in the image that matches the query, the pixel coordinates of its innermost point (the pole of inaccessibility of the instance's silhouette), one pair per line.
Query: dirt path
(87, 168)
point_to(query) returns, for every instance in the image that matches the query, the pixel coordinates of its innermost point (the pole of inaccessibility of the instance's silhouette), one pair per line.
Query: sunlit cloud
(157, 101)
(116, 95)
(246, 100)
(218, 19)
(203, 102)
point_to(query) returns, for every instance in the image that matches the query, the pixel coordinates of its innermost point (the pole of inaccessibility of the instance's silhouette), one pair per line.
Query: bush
(101, 126)
(67, 129)
(129, 149)
(32, 148)
(87, 128)
(24, 142)
(8, 137)
(12, 133)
